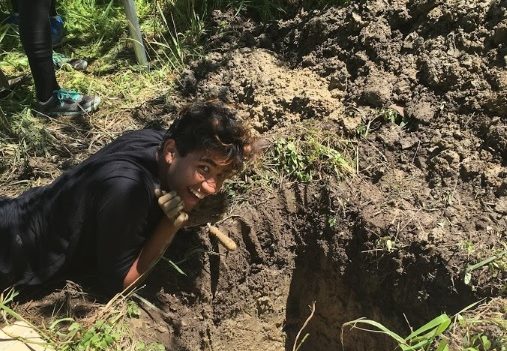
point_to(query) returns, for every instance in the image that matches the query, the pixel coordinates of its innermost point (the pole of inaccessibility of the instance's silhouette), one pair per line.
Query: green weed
(101, 336)
(308, 155)
(292, 161)
(481, 329)
(421, 339)
(362, 130)
(108, 331)
(494, 262)
(307, 158)
(133, 310)
(141, 346)
(392, 116)
(466, 330)
(332, 222)
(175, 266)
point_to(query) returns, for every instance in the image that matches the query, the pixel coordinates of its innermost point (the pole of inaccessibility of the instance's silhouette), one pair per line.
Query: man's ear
(169, 151)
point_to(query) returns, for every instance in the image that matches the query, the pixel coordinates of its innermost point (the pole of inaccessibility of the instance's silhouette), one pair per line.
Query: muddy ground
(428, 197)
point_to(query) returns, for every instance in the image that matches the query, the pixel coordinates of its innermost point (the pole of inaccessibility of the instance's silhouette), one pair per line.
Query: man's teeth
(197, 194)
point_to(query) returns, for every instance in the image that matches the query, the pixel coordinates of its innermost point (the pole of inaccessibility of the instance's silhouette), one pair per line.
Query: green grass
(305, 154)
(478, 327)
(421, 339)
(107, 330)
(496, 263)
(308, 157)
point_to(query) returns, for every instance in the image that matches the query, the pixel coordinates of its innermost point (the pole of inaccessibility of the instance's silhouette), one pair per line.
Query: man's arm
(154, 248)
(124, 250)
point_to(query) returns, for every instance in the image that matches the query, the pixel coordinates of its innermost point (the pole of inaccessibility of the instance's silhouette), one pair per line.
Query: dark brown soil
(433, 185)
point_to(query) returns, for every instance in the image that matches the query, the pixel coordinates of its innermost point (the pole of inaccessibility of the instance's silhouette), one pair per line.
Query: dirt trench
(291, 256)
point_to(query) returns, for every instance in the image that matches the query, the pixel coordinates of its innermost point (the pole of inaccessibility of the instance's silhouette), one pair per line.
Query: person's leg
(36, 39)
(14, 4)
(52, 8)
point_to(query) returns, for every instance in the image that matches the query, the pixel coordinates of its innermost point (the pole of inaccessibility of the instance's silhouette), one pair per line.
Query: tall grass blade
(434, 328)
(353, 324)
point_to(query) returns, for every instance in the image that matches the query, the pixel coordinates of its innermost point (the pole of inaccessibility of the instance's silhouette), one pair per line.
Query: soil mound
(264, 87)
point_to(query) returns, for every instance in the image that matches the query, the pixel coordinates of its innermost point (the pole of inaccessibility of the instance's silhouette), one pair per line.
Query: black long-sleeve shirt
(93, 218)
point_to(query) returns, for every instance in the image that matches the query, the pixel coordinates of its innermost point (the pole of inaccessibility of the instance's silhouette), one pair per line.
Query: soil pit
(289, 257)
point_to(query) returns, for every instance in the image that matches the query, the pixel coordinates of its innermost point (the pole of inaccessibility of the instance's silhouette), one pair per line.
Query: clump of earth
(419, 87)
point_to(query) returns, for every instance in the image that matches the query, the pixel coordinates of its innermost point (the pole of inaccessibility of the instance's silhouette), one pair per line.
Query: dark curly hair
(214, 126)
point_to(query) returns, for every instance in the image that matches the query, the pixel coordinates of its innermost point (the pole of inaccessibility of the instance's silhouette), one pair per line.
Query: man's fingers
(171, 204)
(168, 197)
(159, 192)
(173, 212)
(181, 219)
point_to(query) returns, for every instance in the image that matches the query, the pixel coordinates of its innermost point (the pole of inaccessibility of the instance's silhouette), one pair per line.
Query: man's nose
(210, 186)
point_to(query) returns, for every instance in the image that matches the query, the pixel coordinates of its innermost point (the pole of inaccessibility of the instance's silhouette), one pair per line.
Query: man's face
(193, 176)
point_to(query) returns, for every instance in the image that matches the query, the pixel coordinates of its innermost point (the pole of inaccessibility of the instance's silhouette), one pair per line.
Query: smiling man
(116, 213)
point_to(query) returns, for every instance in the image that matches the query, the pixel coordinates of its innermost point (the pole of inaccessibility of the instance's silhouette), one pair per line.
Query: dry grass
(486, 322)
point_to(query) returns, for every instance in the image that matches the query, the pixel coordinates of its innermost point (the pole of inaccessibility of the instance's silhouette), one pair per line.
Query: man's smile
(197, 194)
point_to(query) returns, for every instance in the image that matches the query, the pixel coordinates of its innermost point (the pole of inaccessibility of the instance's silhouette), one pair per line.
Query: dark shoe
(60, 61)
(68, 103)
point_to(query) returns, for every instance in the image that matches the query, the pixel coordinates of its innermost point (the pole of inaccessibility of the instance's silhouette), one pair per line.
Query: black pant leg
(14, 4)
(13, 263)
(52, 8)
(36, 39)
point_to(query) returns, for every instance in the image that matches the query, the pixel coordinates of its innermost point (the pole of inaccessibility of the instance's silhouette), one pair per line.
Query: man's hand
(172, 206)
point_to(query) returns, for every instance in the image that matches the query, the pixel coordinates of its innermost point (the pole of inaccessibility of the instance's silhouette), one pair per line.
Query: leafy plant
(482, 329)
(392, 116)
(292, 161)
(154, 346)
(479, 342)
(99, 337)
(307, 158)
(421, 339)
(492, 260)
(132, 310)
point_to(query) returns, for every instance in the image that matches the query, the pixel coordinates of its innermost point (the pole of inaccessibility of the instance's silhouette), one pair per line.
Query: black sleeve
(121, 223)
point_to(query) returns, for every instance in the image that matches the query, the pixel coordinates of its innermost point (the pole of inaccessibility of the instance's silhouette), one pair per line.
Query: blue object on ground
(57, 33)
(56, 24)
